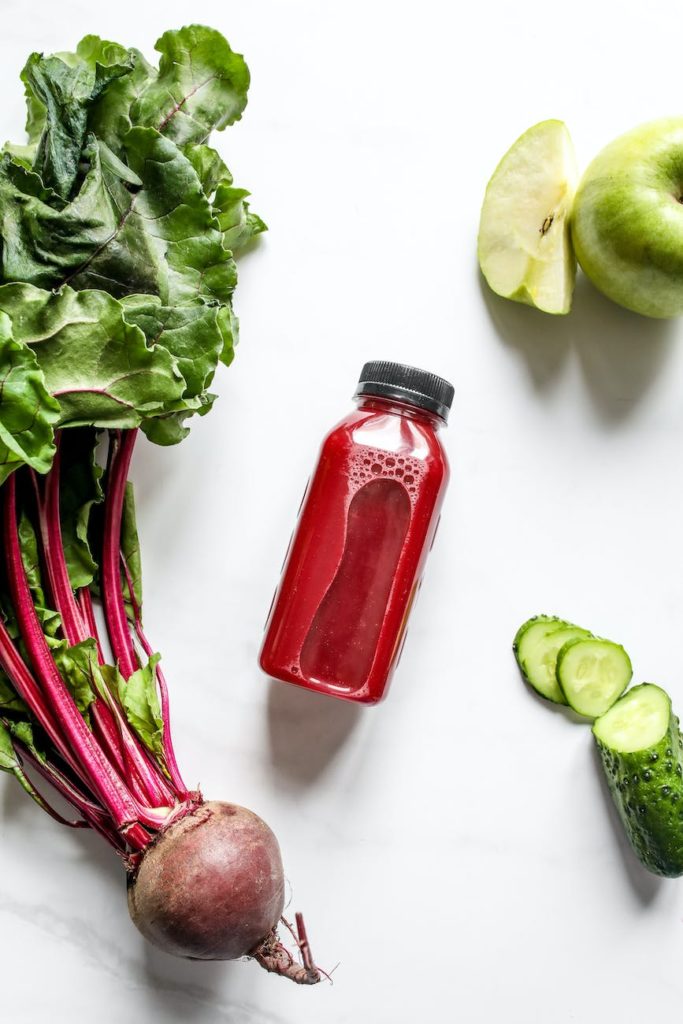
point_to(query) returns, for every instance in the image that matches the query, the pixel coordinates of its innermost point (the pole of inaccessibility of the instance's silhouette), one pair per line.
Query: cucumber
(592, 674)
(536, 627)
(640, 746)
(536, 647)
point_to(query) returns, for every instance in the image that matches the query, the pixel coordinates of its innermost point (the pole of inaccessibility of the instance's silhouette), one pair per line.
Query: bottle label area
(340, 645)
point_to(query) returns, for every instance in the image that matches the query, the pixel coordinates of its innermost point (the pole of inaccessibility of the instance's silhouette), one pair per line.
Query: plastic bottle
(366, 524)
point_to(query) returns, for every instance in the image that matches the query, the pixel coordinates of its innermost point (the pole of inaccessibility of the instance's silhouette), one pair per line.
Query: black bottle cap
(407, 384)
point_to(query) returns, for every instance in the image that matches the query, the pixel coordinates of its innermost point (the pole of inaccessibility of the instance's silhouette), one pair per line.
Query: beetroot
(119, 227)
(205, 879)
(211, 886)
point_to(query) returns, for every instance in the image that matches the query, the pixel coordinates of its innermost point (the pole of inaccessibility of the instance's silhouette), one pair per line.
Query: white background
(454, 849)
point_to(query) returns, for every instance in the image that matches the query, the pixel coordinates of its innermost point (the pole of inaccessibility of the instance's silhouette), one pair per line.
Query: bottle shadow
(306, 730)
(645, 885)
(620, 353)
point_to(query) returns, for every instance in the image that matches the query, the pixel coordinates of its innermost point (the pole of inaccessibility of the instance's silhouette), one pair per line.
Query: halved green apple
(525, 249)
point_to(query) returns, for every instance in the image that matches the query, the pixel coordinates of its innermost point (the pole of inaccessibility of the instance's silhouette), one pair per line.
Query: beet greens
(118, 230)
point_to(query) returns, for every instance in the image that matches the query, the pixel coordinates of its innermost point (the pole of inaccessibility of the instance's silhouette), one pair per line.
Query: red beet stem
(30, 693)
(103, 778)
(73, 624)
(112, 594)
(122, 748)
(113, 599)
(88, 612)
(96, 818)
(169, 752)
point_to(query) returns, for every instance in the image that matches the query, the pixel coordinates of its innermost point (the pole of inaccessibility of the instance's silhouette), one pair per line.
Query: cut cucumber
(536, 648)
(638, 721)
(592, 674)
(536, 627)
(640, 746)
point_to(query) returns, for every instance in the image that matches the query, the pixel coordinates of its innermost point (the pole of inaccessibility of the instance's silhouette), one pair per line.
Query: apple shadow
(645, 885)
(306, 731)
(620, 353)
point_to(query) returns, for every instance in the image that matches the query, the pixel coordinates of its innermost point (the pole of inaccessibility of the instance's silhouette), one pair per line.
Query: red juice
(366, 524)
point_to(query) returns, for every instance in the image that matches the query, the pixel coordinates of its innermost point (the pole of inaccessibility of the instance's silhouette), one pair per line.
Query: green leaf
(118, 191)
(178, 221)
(24, 155)
(170, 428)
(35, 114)
(139, 699)
(9, 759)
(30, 558)
(9, 762)
(191, 333)
(238, 225)
(66, 92)
(80, 490)
(108, 111)
(109, 115)
(202, 84)
(28, 413)
(229, 325)
(9, 700)
(161, 239)
(49, 619)
(96, 364)
(130, 548)
(79, 667)
(116, 167)
(209, 166)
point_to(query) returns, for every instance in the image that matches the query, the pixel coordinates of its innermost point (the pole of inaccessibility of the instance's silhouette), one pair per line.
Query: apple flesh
(525, 250)
(627, 223)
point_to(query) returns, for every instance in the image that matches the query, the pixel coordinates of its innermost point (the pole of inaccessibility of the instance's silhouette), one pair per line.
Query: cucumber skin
(550, 619)
(647, 788)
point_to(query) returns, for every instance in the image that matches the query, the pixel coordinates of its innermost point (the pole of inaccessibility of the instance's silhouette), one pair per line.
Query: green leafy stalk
(118, 228)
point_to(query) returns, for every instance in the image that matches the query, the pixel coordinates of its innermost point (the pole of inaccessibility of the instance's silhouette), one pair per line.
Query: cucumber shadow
(556, 709)
(307, 730)
(645, 885)
(621, 354)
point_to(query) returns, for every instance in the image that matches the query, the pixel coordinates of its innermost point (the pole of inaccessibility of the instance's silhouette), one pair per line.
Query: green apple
(627, 224)
(525, 251)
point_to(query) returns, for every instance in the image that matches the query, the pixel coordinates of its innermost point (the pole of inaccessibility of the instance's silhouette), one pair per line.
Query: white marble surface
(453, 850)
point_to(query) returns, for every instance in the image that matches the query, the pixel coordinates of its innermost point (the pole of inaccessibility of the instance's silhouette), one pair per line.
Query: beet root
(211, 887)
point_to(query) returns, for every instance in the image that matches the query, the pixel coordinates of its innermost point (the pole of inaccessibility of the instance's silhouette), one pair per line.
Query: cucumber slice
(536, 627)
(592, 674)
(537, 650)
(636, 722)
(640, 746)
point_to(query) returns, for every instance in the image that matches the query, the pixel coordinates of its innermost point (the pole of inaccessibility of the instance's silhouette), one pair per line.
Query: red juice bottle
(366, 524)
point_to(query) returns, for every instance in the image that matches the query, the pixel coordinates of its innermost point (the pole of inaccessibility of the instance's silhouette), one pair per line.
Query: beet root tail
(273, 956)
